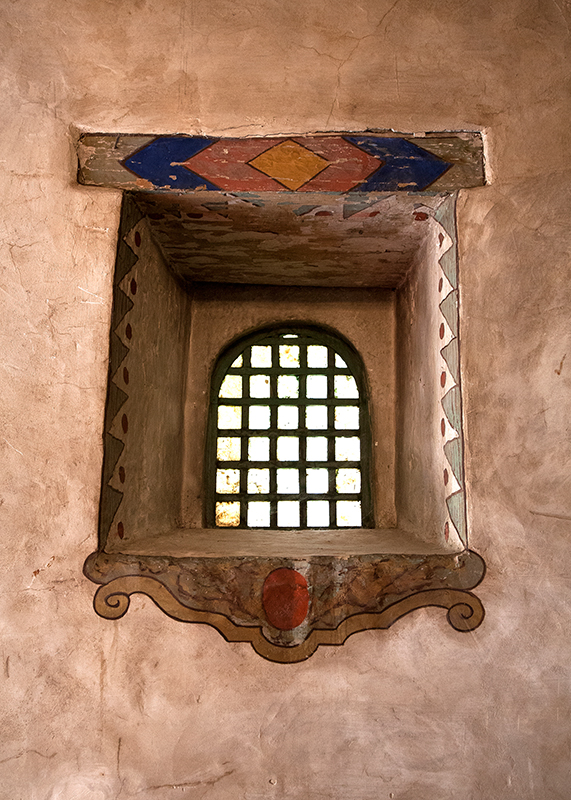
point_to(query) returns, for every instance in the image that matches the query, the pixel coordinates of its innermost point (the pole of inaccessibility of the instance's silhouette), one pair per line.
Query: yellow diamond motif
(290, 164)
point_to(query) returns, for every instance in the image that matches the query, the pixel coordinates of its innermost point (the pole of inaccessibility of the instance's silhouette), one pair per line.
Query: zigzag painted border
(112, 446)
(451, 424)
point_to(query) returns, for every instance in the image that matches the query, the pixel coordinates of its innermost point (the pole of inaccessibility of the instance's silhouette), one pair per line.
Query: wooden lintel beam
(338, 163)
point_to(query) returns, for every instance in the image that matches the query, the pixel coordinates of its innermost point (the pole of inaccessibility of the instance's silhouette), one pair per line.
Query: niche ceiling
(323, 242)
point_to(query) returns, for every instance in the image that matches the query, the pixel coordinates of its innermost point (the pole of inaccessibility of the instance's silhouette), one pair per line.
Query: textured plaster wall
(146, 707)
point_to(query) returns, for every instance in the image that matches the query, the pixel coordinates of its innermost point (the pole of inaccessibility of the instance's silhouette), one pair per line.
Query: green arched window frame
(288, 441)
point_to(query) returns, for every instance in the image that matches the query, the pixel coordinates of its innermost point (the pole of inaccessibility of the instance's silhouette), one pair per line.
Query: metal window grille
(289, 441)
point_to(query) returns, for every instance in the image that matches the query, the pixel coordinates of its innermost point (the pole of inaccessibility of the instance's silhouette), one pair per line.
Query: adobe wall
(150, 708)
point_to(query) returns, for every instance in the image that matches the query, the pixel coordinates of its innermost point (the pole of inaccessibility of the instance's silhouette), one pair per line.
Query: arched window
(289, 441)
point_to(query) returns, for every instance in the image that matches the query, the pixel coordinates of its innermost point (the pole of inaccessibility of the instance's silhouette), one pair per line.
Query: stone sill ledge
(216, 543)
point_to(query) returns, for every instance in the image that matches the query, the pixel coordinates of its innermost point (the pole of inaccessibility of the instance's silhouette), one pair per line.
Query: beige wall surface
(146, 707)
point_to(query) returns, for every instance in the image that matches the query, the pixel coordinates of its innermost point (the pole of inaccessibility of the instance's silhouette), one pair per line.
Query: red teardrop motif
(285, 598)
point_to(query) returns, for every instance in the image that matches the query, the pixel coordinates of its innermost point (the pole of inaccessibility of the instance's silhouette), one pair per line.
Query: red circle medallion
(285, 598)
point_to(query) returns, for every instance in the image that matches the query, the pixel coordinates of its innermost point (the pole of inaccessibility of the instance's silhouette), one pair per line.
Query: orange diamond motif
(290, 164)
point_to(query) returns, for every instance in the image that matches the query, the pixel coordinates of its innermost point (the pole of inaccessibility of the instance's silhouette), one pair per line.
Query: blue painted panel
(451, 403)
(446, 215)
(351, 207)
(457, 513)
(160, 162)
(449, 308)
(448, 263)
(454, 455)
(407, 167)
(301, 210)
(451, 356)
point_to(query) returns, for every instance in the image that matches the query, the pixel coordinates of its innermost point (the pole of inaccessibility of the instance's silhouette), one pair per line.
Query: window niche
(203, 277)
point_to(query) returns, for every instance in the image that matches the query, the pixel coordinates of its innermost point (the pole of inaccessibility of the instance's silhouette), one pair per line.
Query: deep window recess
(289, 442)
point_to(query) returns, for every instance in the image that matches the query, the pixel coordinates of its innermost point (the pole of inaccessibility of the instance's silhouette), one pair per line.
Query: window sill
(225, 542)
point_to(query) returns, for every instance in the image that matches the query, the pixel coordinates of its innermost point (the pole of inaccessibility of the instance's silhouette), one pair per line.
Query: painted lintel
(340, 163)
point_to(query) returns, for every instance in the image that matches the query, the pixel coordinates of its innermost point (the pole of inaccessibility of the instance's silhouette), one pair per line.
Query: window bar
(244, 438)
(273, 439)
(331, 439)
(303, 433)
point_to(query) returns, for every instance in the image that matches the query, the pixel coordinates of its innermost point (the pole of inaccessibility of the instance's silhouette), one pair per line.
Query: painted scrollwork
(465, 613)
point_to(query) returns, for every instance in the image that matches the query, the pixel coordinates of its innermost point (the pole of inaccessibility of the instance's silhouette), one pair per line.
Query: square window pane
(347, 448)
(229, 417)
(228, 448)
(317, 448)
(289, 356)
(316, 356)
(258, 481)
(261, 356)
(346, 386)
(349, 513)
(346, 417)
(318, 513)
(288, 448)
(259, 448)
(339, 362)
(316, 417)
(259, 417)
(316, 386)
(239, 362)
(227, 515)
(258, 514)
(288, 481)
(288, 417)
(228, 481)
(288, 513)
(288, 386)
(348, 480)
(317, 481)
(231, 386)
(259, 385)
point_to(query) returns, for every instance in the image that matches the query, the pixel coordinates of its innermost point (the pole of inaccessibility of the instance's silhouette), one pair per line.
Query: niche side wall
(150, 327)
(429, 461)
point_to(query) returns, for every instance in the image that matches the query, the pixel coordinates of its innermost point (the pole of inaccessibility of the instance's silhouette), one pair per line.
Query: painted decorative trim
(286, 608)
(465, 613)
(116, 426)
(339, 163)
(451, 402)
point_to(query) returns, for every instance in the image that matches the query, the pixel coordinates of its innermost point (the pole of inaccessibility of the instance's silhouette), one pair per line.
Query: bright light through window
(288, 436)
